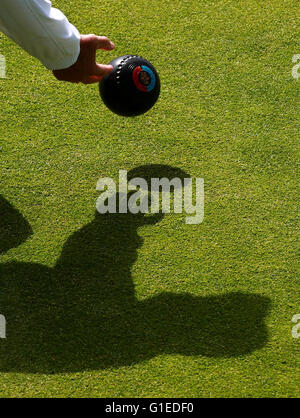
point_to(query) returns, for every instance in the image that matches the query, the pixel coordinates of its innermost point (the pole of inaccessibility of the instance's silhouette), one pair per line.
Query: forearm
(41, 30)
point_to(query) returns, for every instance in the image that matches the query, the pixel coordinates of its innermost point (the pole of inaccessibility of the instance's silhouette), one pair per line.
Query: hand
(86, 70)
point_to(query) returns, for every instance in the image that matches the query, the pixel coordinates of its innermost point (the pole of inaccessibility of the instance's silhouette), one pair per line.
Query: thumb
(101, 70)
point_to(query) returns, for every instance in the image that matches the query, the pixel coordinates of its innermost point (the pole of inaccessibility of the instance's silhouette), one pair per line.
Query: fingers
(102, 42)
(85, 69)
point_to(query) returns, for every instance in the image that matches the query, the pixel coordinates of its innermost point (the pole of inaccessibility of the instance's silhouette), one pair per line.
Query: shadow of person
(14, 229)
(83, 314)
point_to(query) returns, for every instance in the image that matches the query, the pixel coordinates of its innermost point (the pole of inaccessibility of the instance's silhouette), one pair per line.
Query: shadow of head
(112, 236)
(14, 229)
(154, 171)
(120, 200)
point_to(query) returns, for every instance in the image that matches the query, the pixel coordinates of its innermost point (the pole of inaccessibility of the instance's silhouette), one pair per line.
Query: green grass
(120, 306)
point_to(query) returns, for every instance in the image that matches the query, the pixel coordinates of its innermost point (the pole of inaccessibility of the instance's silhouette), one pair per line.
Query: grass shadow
(83, 313)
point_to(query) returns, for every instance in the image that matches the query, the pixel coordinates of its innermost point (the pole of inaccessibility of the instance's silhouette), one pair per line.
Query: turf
(132, 306)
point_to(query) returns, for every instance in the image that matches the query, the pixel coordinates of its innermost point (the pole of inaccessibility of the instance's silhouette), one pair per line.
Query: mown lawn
(134, 306)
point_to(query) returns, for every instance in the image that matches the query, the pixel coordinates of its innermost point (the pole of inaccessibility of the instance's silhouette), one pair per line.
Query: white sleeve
(41, 30)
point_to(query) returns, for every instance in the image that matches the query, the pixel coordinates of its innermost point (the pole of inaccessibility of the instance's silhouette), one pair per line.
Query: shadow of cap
(151, 171)
(14, 229)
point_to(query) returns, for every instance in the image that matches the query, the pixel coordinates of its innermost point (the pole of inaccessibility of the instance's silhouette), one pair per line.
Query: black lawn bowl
(132, 88)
